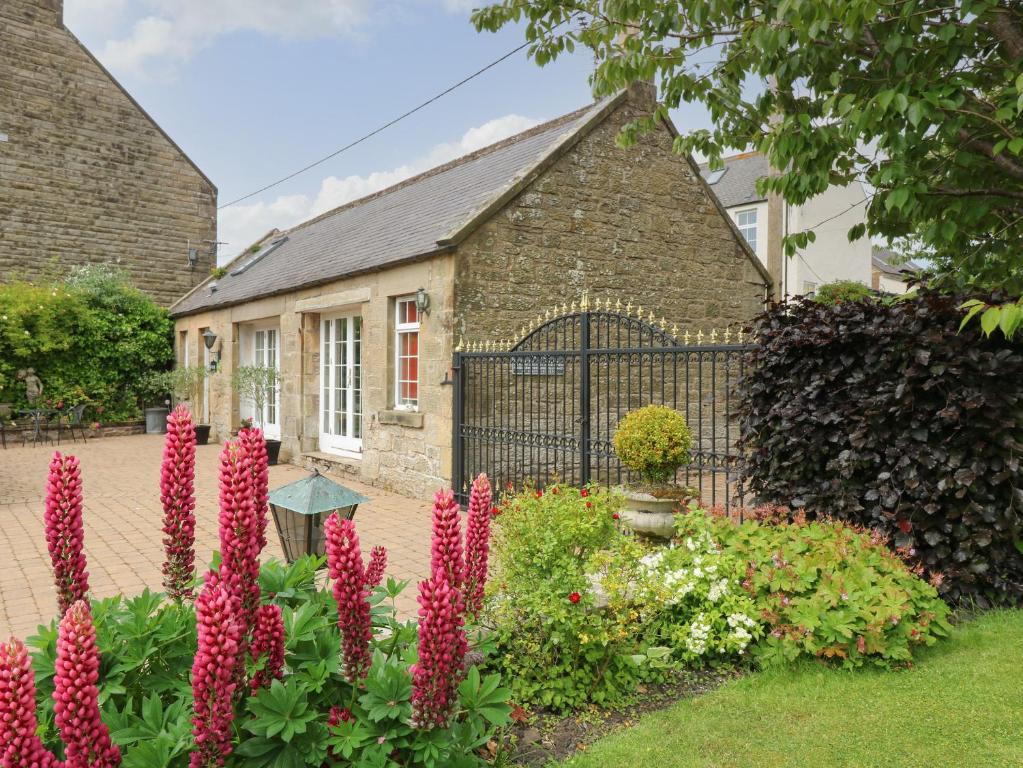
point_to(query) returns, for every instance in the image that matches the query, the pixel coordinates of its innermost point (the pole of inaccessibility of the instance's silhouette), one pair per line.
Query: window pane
(413, 312)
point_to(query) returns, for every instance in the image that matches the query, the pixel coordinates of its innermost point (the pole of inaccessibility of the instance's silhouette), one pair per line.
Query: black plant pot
(202, 434)
(273, 450)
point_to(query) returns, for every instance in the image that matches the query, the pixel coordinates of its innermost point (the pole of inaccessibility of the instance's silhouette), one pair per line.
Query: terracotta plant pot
(650, 509)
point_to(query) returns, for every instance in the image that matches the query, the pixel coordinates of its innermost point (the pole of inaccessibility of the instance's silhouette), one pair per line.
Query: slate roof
(421, 216)
(737, 185)
(883, 259)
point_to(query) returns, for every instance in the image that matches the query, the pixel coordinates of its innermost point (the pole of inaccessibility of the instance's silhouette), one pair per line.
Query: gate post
(584, 392)
(457, 411)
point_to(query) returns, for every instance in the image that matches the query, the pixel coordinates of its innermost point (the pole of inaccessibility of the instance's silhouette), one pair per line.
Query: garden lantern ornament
(299, 510)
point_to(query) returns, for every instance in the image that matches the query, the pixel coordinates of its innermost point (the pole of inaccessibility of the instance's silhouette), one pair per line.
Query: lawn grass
(960, 705)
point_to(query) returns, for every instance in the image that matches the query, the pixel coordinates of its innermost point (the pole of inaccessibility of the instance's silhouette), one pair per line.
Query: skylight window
(715, 176)
(258, 255)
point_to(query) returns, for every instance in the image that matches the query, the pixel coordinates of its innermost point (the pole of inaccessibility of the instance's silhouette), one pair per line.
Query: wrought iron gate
(547, 406)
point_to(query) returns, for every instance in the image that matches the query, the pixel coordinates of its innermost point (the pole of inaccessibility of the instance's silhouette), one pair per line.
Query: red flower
(268, 641)
(539, 494)
(905, 526)
(447, 553)
(75, 695)
(377, 566)
(19, 742)
(344, 561)
(64, 533)
(253, 443)
(177, 494)
(575, 597)
(477, 543)
(554, 490)
(214, 672)
(584, 493)
(615, 516)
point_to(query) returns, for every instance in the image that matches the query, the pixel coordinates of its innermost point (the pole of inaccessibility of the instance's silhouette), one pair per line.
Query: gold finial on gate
(584, 302)
(460, 345)
(639, 311)
(664, 323)
(573, 307)
(699, 337)
(628, 308)
(728, 335)
(547, 315)
(564, 308)
(651, 319)
(522, 332)
(618, 305)
(685, 338)
(740, 337)
(713, 335)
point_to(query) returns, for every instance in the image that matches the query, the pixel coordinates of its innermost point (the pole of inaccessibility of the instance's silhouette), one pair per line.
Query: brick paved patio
(123, 540)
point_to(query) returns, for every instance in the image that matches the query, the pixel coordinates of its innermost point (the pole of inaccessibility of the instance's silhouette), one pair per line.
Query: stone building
(361, 308)
(86, 176)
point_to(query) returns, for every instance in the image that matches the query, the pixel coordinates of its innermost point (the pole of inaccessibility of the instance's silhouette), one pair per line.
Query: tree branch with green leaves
(920, 99)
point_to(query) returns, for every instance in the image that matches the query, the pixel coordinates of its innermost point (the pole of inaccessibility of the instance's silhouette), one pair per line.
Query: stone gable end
(635, 224)
(86, 176)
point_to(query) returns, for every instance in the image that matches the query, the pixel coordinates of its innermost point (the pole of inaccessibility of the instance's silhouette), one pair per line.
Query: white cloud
(241, 225)
(174, 30)
(170, 32)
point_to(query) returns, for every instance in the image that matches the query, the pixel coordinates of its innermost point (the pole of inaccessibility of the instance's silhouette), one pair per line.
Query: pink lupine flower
(177, 493)
(76, 698)
(214, 679)
(345, 566)
(239, 531)
(447, 539)
(337, 716)
(268, 641)
(253, 442)
(477, 543)
(64, 533)
(442, 649)
(377, 566)
(19, 744)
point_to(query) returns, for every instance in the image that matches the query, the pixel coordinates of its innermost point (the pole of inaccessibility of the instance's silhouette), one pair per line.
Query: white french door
(265, 353)
(341, 384)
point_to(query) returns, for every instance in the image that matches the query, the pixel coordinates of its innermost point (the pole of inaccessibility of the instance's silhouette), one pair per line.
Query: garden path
(122, 516)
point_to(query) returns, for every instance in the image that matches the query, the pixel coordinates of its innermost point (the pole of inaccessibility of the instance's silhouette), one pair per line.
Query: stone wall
(86, 176)
(405, 452)
(635, 224)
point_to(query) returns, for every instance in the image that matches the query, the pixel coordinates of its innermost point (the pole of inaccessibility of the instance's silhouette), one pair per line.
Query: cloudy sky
(253, 90)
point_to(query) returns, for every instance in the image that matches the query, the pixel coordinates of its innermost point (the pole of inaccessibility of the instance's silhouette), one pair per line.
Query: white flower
(690, 544)
(718, 589)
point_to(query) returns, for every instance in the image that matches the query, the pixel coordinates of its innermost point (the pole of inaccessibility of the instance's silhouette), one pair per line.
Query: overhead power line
(381, 128)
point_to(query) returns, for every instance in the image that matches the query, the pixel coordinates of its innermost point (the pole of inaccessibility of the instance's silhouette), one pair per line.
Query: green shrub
(841, 290)
(653, 441)
(90, 338)
(147, 646)
(829, 590)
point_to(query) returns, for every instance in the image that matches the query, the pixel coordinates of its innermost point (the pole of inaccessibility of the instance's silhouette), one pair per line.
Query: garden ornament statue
(33, 384)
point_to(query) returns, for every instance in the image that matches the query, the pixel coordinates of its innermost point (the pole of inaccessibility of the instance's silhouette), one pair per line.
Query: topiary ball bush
(654, 441)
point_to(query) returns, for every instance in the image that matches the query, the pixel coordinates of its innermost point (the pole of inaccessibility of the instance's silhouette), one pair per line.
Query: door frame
(272, 431)
(330, 443)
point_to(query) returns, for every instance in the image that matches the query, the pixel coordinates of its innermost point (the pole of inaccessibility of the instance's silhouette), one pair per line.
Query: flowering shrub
(653, 441)
(828, 589)
(252, 675)
(582, 613)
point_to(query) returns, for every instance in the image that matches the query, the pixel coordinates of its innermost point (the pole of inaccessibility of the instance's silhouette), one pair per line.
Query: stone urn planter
(653, 442)
(650, 509)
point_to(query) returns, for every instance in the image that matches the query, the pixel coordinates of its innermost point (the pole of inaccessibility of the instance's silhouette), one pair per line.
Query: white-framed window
(341, 383)
(746, 221)
(406, 347)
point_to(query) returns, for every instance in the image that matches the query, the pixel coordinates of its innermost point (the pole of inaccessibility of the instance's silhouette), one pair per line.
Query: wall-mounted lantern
(299, 510)
(422, 302)
(209, 338)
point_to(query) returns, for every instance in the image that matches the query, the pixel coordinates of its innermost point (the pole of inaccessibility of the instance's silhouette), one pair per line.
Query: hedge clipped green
(90, 338)
(885, 415)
